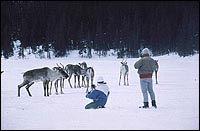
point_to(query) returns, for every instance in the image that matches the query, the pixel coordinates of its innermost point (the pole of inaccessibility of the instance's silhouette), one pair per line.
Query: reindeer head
(83, 65)
(124, 62)
(61, 71)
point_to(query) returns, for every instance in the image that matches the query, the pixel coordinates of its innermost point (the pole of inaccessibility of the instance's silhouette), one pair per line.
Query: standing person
(146, 66)
(99, 95)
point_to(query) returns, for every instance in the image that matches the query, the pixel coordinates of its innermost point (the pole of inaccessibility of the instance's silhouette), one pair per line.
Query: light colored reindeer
(83, 65)
(89, 77)
(124, 71)
(61, 79)
(41, 74)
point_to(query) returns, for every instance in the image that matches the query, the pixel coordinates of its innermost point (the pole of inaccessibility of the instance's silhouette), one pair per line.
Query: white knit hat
(145, 51)
(100, 79)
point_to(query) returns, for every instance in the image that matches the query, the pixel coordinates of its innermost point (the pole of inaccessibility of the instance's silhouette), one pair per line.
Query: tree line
(167, 26)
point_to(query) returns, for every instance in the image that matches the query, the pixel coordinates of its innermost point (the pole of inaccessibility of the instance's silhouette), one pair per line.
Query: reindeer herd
(59, 73)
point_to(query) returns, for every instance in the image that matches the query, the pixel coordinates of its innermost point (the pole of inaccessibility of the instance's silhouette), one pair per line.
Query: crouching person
(99, 95)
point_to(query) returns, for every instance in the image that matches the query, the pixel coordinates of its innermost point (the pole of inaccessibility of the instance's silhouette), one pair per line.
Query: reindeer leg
(46, 90)
(127, 80)
(84, 81)
(92, 81)
(50, 87)
(21, 85)
(27, 88)
(87, 79)
(63, 80)
(61, 85)
(119, 79)
(47, 87)
(44, 85)
(19, 91)
(156, 77)
(79, 81)
(124, 79)
(69, 81)
(74, 81)
(56, 86)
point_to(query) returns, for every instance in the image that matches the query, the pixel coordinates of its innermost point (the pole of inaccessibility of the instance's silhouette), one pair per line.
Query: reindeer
(76, 70)
(61, 79)
(124, 71)
(41, 74)
(89, 76)
(83, 65)
(156, 71)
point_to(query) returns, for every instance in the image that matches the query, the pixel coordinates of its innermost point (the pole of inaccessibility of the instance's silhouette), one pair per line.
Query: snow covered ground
(177, 95)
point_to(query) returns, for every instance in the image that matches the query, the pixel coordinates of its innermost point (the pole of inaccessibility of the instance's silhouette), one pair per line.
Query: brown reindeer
(73, 70)
(41, 74)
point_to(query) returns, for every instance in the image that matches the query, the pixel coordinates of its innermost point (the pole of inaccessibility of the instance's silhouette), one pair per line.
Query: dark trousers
(92, 105)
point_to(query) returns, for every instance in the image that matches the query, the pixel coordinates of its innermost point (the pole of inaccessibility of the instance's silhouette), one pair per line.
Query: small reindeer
(156, 71)
(89, 77)
(41, 74)
(124, 71)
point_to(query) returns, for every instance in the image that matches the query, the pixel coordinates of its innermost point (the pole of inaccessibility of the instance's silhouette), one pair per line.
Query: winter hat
(145, 51)
(100, 79)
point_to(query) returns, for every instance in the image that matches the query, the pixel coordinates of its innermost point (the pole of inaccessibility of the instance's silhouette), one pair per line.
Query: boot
(154, 103)
(146, 105)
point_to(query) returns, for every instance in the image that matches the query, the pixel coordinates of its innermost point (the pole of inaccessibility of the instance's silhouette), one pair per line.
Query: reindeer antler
(62, 65)
(125, 60)
(59, 66)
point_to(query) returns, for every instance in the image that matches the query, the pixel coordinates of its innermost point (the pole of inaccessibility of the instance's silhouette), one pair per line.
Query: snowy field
(177, 95)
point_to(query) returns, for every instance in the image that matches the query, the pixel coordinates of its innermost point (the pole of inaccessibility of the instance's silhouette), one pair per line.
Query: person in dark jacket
(99, 95)
(146, 66)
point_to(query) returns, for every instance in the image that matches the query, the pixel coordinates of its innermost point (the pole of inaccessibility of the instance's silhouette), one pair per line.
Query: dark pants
(92, 105)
